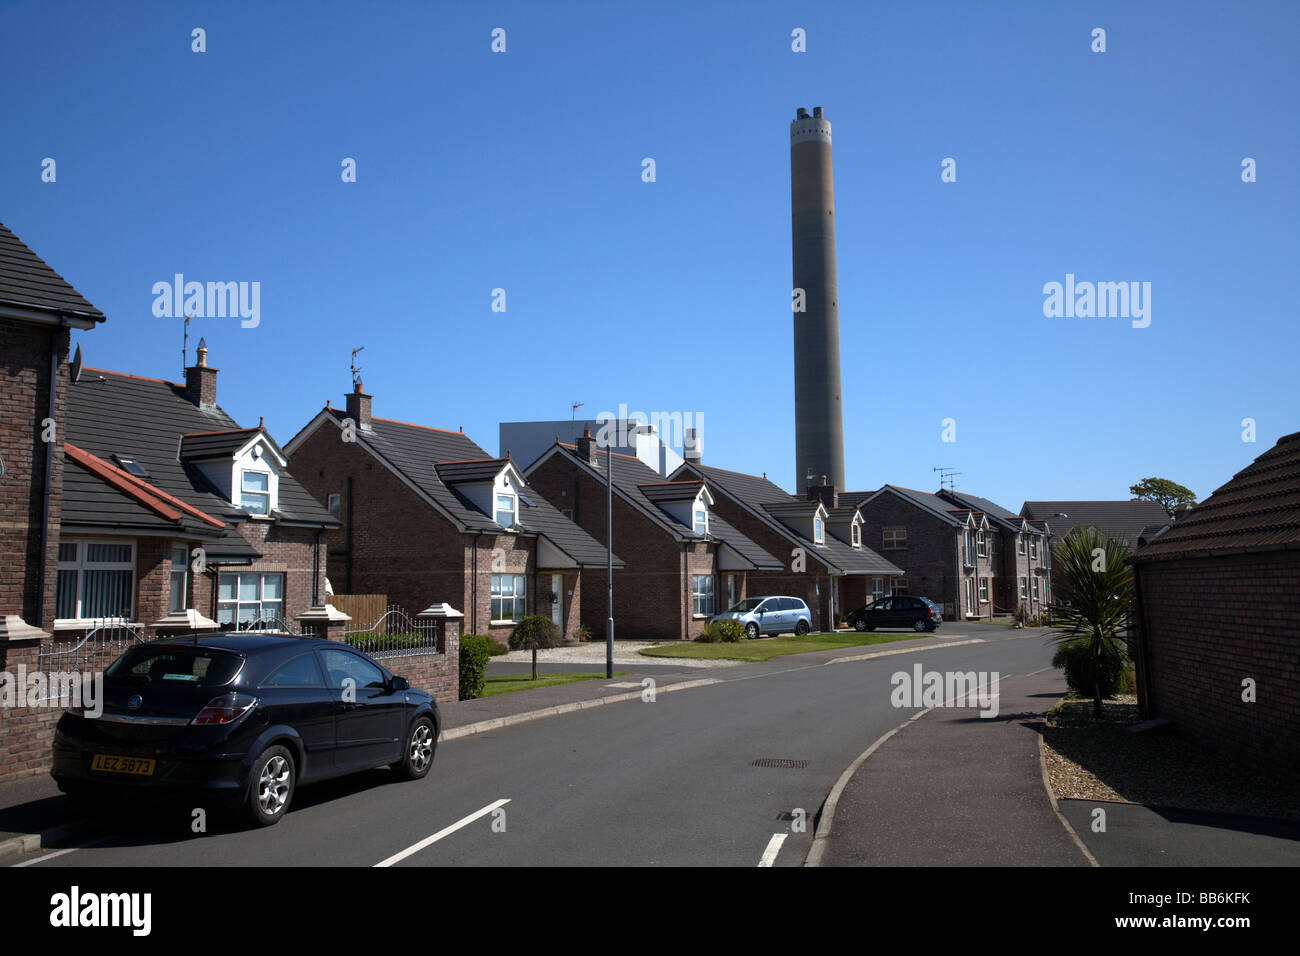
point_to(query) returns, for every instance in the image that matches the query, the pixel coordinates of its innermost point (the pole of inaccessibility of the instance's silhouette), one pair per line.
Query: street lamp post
(609, 559)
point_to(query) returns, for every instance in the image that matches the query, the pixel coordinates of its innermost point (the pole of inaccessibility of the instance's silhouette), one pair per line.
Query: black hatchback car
(901, 610)
(245, 718)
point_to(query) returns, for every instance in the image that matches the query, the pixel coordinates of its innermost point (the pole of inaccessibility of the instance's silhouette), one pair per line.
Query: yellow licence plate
(112, 764)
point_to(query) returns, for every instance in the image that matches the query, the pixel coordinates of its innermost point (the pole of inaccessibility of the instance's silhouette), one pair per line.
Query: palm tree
(1094, 598)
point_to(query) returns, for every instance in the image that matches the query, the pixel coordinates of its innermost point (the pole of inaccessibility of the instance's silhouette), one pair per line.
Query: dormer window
(819, 530)
(701, 521)
(857, 536)
(505, 515)
(255, 492)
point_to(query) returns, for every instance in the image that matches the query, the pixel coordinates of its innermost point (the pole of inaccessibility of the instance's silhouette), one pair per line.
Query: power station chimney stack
(819, 420)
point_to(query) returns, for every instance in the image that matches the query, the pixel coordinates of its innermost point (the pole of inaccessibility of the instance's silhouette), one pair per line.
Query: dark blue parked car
(246, 718)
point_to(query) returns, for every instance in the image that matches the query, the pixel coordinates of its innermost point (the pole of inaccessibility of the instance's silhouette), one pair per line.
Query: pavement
(951, 788)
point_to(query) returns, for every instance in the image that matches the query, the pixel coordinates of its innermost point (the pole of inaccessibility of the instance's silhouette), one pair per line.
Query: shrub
(474, 654)
(727, 632)
(535, 632)
(1076, 658)
(583, 632)
(496, 648)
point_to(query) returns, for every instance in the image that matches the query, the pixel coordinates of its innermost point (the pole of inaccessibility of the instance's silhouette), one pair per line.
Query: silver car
(770, 615)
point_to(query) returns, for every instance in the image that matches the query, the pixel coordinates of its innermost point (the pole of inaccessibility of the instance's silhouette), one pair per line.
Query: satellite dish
(74, 371)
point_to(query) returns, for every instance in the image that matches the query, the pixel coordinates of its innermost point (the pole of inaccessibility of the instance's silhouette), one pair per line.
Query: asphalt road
(665, 783)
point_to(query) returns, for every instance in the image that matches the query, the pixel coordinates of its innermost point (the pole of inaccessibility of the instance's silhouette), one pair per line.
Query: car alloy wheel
(751, 630)
(801, 628)
(420, 748)
(859, 624)
(919, 625)
(272, 786)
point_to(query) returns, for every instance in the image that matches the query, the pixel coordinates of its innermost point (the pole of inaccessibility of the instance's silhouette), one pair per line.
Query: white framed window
(255, 492)
(984, 590)
(180, 579)
(965, 546)
(1024, 588)
(970, 595)
(894, 538)
(899, 586)
(506, 511)
(96, 579)
(819, 530)
(1034, 579)
(980, 549)
(1020, 544)
(701, 521)
(1033, 548)
(877, 588)
(247, 597)
(509, 597)
(857, 536)
(702, 594)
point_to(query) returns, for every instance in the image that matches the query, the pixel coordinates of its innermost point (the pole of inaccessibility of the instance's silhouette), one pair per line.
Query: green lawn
(765, 648)
(510, 683)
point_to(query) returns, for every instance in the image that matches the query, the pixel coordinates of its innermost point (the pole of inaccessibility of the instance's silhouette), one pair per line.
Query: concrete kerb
(30, 842)
(903, 650)
(1056, 806)
(496, 723)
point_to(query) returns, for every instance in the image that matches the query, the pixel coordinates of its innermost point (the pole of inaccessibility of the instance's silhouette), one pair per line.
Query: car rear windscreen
(176, 666)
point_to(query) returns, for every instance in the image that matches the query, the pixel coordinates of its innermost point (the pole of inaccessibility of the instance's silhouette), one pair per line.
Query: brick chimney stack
(825, 493)
(200, 380)
(358, 406)
(587, 448)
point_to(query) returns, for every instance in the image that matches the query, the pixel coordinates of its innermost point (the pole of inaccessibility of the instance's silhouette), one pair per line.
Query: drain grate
(780, 763)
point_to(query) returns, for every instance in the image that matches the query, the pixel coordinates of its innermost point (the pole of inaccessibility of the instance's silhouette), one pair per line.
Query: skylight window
(131, 466)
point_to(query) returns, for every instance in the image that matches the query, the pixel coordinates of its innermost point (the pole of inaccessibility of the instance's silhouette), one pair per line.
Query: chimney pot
(817, 112)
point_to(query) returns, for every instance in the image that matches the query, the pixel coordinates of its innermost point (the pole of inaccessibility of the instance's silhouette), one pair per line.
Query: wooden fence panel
(364, 609)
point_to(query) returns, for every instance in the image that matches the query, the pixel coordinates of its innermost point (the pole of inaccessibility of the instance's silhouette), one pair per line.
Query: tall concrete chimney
(818, 417)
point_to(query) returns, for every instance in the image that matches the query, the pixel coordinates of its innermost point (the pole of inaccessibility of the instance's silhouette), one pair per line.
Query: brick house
(175, 517)
(685, 561)
(956, 550)
(1019, 561)
(825, 560)
(1218, 601)
(1128, 521)
(37, 311)
(427, 516)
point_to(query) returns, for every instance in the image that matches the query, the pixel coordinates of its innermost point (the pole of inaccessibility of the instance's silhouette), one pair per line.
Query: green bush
(725, 632)
(1078, 663)
(474, 654)
(496, 648)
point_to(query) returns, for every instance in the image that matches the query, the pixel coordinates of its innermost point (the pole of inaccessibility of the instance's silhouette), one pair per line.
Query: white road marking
(773, 848)
(445, 831)
(55, 853)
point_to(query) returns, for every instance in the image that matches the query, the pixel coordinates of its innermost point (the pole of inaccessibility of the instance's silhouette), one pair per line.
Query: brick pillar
(324, 621)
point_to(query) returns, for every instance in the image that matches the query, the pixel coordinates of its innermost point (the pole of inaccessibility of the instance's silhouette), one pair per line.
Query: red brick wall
(652, 600)
(25, 732)
(1210, 623)
(400, 546)
(933, 553)
(290, 551)
(26, 348)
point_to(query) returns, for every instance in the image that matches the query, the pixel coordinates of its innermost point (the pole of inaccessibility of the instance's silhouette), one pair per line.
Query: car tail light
(931, 610)
(225, 709)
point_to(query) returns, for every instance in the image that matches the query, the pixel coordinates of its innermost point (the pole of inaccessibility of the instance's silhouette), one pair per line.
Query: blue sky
(522, 171)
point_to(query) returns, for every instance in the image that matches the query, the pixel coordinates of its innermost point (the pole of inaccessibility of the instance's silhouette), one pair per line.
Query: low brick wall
(1212, 622)
(25, 732)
